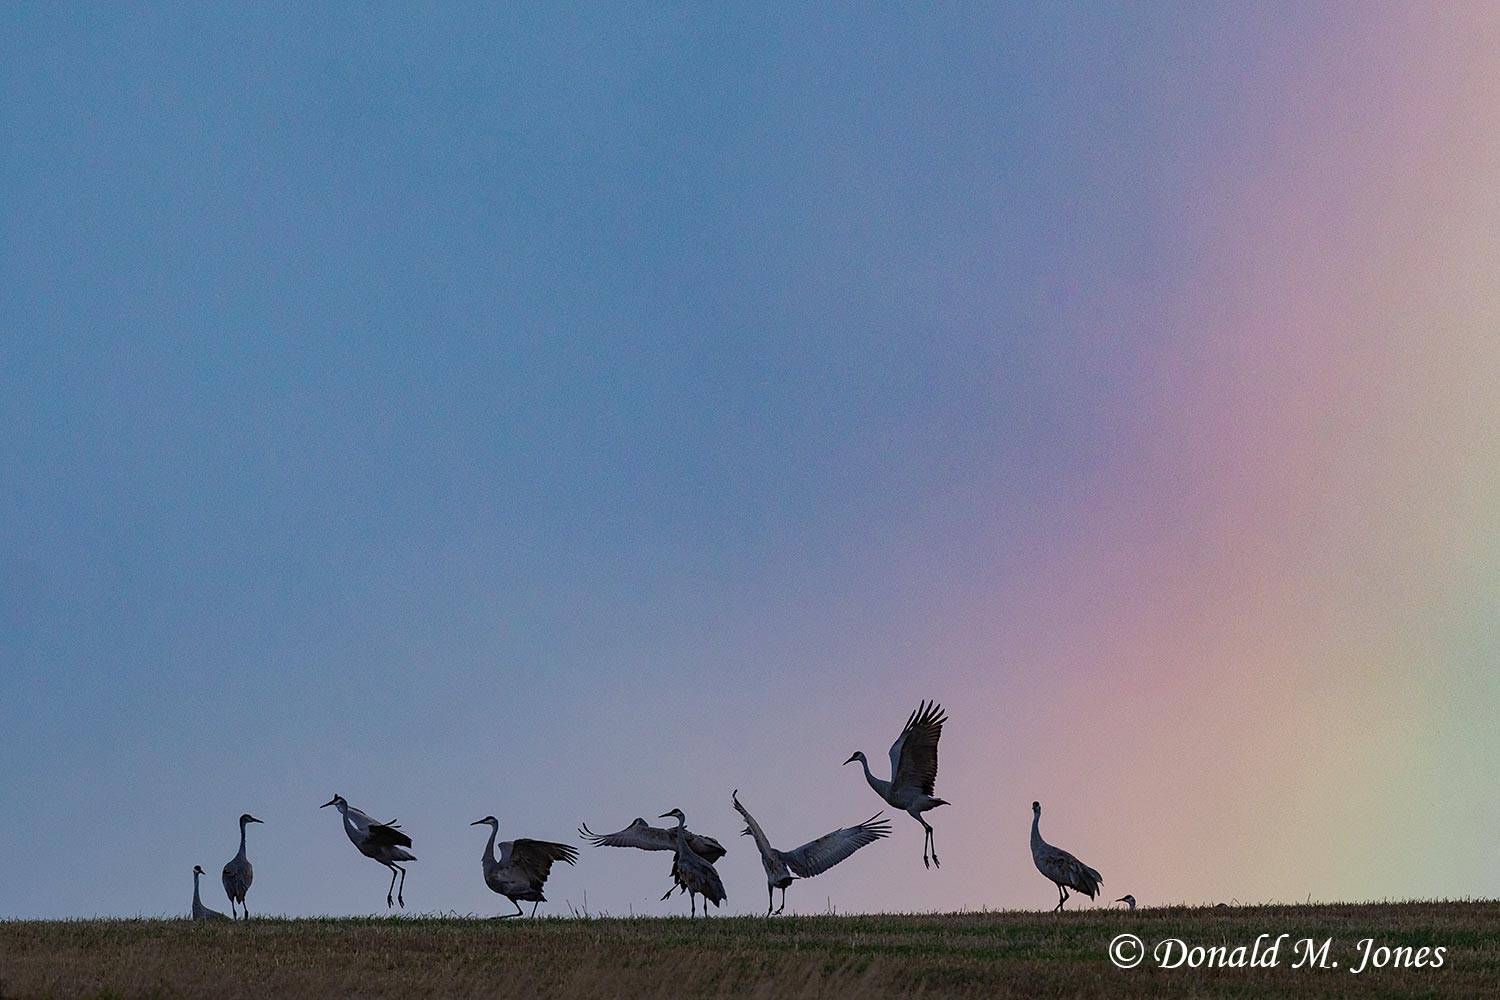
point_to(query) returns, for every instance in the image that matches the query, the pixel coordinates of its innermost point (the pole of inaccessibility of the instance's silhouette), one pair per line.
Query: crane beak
(665, 816)
(329, 802)
(851, 760)
(477, 822)
(252, 819)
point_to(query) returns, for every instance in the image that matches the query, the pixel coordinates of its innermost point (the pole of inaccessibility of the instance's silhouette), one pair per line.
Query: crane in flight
(914, 761)
(382, 842)
(814, 857)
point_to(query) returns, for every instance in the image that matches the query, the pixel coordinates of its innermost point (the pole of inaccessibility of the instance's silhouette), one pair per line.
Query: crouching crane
(201, 912)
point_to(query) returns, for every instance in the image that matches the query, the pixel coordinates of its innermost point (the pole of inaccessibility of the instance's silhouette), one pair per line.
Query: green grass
(1009, 954)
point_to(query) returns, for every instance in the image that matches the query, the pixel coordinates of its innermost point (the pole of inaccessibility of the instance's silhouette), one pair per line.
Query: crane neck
(242, 840)
(489, 847)
(1036, 833)
(196, 900)
(881, 787)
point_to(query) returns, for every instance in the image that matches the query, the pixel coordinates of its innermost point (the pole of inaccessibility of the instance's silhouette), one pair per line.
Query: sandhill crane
(238, 873)
(1060, 866)
(522, 867)
(383, 842)
(813, 857)
(643, 836)
(913, 770)
(201, 912)
(691, 872)
(1127, 899)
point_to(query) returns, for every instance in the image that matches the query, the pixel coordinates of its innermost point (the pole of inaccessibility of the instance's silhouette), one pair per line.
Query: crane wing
(642, 836)
(914, 754)
(752, 829)
(535, 857)
(386, 835)
(817, 856)
(639, 834)
(1061, 867)
(707, 848)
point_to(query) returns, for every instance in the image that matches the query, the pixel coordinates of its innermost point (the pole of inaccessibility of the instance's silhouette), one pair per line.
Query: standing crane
(913, 771)
(1066, 871)
(813, 857)
(201, 912)
(522, 867)
(238, 872)
(692, 874)
(383, 842)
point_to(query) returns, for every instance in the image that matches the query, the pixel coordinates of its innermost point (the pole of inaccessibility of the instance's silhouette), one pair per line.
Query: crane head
(336, 800)
(487, 821)
(247, 818)
(198, 870)
(1036, 807)
(857, 755)
(674, 814)
(1128, 900)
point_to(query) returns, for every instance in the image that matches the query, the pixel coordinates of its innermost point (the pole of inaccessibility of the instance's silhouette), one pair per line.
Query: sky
(575, 414)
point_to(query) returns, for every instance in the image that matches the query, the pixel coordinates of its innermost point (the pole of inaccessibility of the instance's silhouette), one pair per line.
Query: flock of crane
(519, 871)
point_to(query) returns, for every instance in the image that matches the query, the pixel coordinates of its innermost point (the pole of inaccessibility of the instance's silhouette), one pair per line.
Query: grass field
(1009, 954)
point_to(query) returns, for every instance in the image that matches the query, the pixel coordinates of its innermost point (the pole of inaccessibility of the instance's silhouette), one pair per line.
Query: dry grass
(1008, 954)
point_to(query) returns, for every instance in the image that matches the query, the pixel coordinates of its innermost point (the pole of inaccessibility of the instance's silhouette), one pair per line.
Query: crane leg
(692, 905)
(399, 898)
(533, 908)
(770, 898)
(926, 837)
(519, 912)
(783, 901)
(388, 901)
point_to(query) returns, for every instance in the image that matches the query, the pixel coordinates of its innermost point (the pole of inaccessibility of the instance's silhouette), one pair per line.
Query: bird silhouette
(522, 867)
(914, 761)
(814, 857)
(238, 872)
(382, 842)
(1060, 866)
